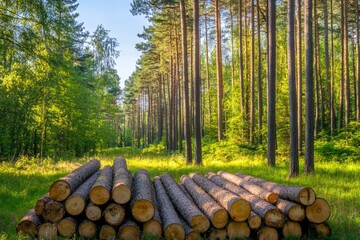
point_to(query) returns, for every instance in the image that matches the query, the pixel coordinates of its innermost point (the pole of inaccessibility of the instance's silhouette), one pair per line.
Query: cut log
(291, 230)
(121, 190)
(254, 221)
(76, 202)
(217, 215)
(114, 214)
(319, 230)
(190, 234)
(107, 232)
(272, 216)
(293, 211)
(67, 227)
(250, 187)
(142, 207)
(183, 188)
(268, 233)
(40, 204)
(238, 209)
(171, 222)
(47, 231)
(153, 227)
(318, 212)
(238, 230)
(93, 212)
(61, 189)
(53, 212)
(101, 190)
(303, 195)
(120, 162)
(29, 223)
(188, 210)
(129, 230)
(216, 234)
(87, 229)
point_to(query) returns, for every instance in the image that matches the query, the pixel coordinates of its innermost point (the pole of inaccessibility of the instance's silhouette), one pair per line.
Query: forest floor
(21, 184)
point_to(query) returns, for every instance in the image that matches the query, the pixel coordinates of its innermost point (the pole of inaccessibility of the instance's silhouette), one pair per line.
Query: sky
(115, 16)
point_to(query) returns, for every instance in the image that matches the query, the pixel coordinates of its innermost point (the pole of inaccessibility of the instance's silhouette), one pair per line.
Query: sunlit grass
(339, 183)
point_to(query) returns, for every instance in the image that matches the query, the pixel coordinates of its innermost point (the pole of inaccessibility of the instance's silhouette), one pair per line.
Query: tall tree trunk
(252, 75)
(332, 107)
(160, 109)
(220, 87)
(241, 62)
(187, 132)
(358, 61)
(316, 70)
(232, 44)
(207, 62)
(294, 161)
(341, 100)
(346, 68)
(299, 76)
(327, 58)
(138, 122)
(309, 124)
(272, 83)
(260, 95)
(197, 85)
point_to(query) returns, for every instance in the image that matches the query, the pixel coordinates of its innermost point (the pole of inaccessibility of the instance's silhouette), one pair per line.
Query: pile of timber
(111, 203)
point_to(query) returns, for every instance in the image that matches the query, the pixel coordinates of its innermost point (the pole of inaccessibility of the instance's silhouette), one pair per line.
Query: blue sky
(115, 16)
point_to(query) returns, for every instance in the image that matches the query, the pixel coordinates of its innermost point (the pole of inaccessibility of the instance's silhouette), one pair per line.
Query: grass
(339, 183)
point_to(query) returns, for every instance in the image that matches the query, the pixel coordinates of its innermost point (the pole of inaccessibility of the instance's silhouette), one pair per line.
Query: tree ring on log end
(220, 218)
(193, 236)
(268, 233)
(121, 194)
(129, 232)
(272, 198)
(59, 190)
(274, 218)
(238, 230)
(174, 232)
(153, 228)
(307, 196)
(318, 212)
(75, 205)
(27, 227)
(99, 195)
(66, 228)
(296, 213)
(240, 210)
(292, 230)
(143, 210)
(200, 223)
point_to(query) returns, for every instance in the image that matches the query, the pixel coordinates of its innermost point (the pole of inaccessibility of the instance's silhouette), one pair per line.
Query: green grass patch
(339, 183)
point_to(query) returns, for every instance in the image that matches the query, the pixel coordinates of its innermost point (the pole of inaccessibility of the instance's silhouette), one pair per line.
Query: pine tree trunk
(241, 62)
(260, 84)
(346, 68)
(299, 76)
(358, 62)
(207, 62)
(332, 107)
(327, 58)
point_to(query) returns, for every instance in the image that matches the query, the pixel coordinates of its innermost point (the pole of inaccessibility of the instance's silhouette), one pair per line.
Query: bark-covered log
(291, 230)
(171, 222)
(319, 230)
(142, 207)
(190, 234)
(238, 209)
(114, 214)
(101, 190)
(254, 221)
(303, 195)
(93, 212)
(183, 188)
(216, 234)
(268, 233)
(67, 227)
(129, 230)
(238, 230)
(250, 187)
(188, 210)
(40, 204)
(61, 189)
(318, 212)
(29, 223)
(293, 211)
(47, 231)
(120, 162)
(107, 232)
(153, 227)
(121, 190)
(76, 202)
(87, 229)
(53, 212)
(217, 215)
(272, 216)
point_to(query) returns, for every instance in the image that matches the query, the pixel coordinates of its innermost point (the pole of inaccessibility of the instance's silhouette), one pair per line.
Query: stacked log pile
(114, 204)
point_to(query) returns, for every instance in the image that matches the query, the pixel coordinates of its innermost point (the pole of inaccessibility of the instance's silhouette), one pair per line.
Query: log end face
(153, 228)
(296, 213)
(75, 205)
(47, 231)
(66, 228)
(121, 194)
(238, 230)
(268, 233)
(193, 236)
(53, 212)
(99, 195)
(307, 196)
(254, 222)
(318, 212)
(114, 214)
(217, 234)
(320, 230)
(93, 213)
(220, 218)
(292, 230)
(107, 232)
(240, 210)
(200, 223)
(274, 218)
(59, 190)
(87, 230)
(174, 232)
(143, 210)
(129, 233)
(27, 227)
(272, 198)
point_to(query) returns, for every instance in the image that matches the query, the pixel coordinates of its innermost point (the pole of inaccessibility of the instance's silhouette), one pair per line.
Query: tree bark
(67, 227)
(327, 59)
(100, 192)
(241, 62)
(299, 76)
(358, 62)
(29, 223)
(346, 68)
(207, 62)
(114, 214)
(153, 227)
(252, 75)
(332, 107)
(40, 204)
(293, 211)
(260, 84)
(121, 189)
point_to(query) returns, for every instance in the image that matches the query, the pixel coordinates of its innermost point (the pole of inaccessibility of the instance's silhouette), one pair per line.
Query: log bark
(318, 212)
(40, 204)
(291, 230)
(114, 214)
(121, 191)
(171, 222)
(154, 226)
(238, 209)
(188, 210)
(268, 233)
(101, 190)
(87, 229)
(76, 202)
(214, 212)
(29, 223)
(217, 234)
(107, 232)
(183, 188)
(254, 221)
(238, 230)
(67, 227)
(93, 212)
(269, 213)
(129, 230)
(293, 211)
(53, 212)
(303, 195)
(319, 230)
(120, 162)
(61, 189)
(47, 231)
(252, 188)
